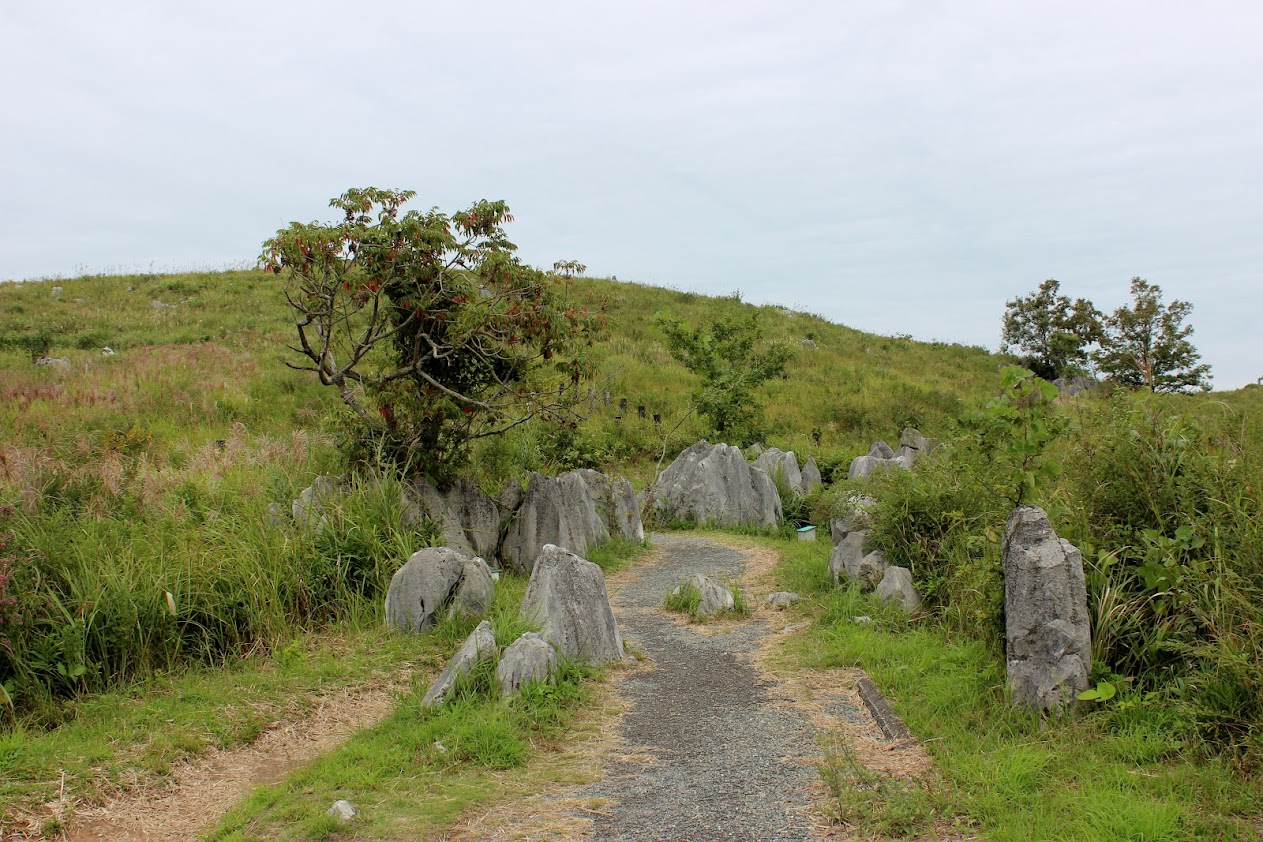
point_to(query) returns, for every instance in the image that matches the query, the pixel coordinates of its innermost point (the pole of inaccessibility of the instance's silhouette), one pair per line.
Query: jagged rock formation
(554, 510)
(783, 466)
(882, 458)
(844, 563)
(308, 509)
(1048, 642)
(566, 597)
(713, 483)
(479, 646)
(616, 504)
(425, 586)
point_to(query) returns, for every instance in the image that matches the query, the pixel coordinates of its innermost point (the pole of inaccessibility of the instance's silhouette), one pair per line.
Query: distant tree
(430, 328)
(726, 357)
(1146, 345)
(1049, 332)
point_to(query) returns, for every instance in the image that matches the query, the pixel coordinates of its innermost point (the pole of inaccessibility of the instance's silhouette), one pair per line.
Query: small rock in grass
(528, 660)
(714, 596)
(479, 646)
(782, 599)
(342, 810)
(862, 620)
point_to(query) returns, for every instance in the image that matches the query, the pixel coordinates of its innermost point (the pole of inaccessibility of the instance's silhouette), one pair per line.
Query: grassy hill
(138, 489)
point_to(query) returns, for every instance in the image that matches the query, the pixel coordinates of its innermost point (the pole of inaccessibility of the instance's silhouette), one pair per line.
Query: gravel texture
(725, 763)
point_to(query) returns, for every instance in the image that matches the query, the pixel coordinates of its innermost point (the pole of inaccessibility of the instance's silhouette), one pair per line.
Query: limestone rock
(528, 660)
(1048, 644)
(476, 590)
(478, 516)
(781, 600)
(555, 510)
(616, 504)
(779, 464)
(896, 585)
(811, 476)
(715, 596)
(343, 811)
(510, 496)
(423, 587)
(881, 450)
(911, 437)
(847, 555)
(479, 646)
(872, 569)
(59, 363)
(308, 509)
(424, 501)
(857, 514)
(566, 597)
(713, 483)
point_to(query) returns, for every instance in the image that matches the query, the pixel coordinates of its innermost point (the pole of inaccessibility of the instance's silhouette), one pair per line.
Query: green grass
(1118, 772)
(134, 735)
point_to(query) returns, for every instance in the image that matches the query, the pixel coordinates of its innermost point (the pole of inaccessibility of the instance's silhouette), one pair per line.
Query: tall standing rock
(783, 465)
(616, 504)
(567, 598)
(1048, 640)
(554, 510)
(714, 484)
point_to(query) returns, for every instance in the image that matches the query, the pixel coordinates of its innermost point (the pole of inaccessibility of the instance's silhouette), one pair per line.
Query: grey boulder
(911, 438)
(479, 646)
(844, 563)
(715, 597)
(475, 592)
(896, 586)
(811, 476)
(782, 467)
(423, 587)
(781, 600)
(714, 484)
(871, 570)
(856, 514)
(555, 510)
(528, 660)
(308, 509)
(566, 598)
(1048, 642)
(616, 504)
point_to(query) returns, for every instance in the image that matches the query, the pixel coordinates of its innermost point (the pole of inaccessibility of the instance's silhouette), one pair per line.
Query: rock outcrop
(881, 457)
(782, 466)
(1048, 643)
(616, 505)
(714, 484)
(856, 515)
(479, 646)
(554, 510)
(423, 587)
(528, 660)
(566, 597)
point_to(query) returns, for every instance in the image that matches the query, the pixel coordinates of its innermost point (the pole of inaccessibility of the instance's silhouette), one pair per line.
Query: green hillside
(139, 495)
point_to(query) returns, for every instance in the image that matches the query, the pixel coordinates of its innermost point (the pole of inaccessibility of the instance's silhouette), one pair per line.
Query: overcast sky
(897, 167)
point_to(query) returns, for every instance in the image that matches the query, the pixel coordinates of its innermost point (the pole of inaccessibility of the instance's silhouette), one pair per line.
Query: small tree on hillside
(725, 357)
(1049, 332)
(1146, 345)
(430, 328)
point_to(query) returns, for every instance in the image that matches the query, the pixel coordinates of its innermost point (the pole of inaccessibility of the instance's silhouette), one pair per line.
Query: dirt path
(722, 760)
(205, 788)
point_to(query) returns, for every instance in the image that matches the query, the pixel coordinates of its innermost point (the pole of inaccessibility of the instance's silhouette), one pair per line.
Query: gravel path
(725, 763)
